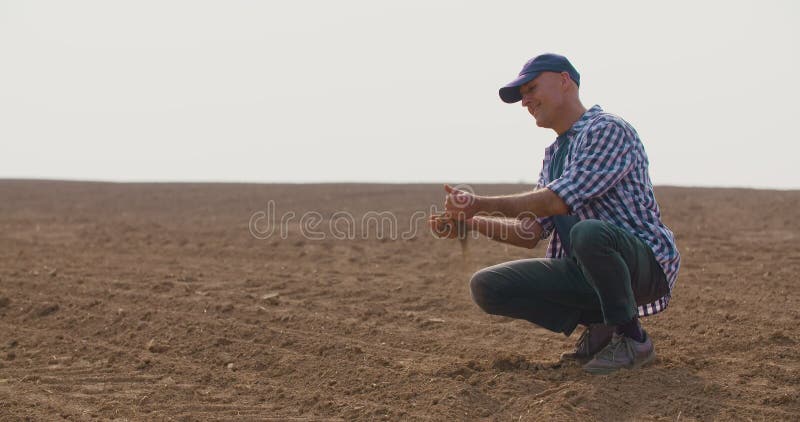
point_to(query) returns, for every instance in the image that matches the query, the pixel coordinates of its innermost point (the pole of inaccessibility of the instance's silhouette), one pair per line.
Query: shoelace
(614, 346)
(583, 341)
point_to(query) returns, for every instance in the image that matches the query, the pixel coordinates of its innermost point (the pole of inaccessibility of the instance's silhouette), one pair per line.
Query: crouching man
(610, 259)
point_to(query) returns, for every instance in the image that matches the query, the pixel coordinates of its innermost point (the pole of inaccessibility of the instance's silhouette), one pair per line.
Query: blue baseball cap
(533, 68)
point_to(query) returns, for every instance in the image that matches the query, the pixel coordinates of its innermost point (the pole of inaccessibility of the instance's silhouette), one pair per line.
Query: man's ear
(565, 80)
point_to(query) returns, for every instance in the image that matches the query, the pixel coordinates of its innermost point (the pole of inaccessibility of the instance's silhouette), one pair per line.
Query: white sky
(400, 91)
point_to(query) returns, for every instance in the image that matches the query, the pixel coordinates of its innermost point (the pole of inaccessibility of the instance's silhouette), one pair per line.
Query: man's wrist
(485, 204)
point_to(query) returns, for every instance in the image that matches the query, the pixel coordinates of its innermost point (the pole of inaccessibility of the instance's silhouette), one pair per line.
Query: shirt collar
(583, 121)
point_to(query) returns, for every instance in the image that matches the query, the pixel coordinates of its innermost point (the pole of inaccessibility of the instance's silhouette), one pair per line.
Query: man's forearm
(541, 202)
(523, 233)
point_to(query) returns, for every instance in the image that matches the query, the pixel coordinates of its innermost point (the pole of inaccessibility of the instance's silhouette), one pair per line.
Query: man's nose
(525, 100)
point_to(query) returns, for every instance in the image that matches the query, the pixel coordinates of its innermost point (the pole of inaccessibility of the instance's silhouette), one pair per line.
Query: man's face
(543, 97)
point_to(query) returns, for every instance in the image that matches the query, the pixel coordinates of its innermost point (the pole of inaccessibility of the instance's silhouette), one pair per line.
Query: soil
(156, 302)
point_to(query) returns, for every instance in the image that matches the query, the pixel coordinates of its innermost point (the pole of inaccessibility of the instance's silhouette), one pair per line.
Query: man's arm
(538, 204)
(541, 203)
(524, 233)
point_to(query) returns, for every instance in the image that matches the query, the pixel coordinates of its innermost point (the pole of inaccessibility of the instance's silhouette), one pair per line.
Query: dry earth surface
(155, 302)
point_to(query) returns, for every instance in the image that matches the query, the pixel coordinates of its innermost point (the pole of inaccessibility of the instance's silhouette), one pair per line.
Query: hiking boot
(622, 352)
(593, 339)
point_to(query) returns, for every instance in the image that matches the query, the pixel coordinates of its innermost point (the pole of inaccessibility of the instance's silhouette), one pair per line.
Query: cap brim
(510, 93)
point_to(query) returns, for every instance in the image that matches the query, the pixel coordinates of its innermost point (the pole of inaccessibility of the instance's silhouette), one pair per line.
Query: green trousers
(609, 274)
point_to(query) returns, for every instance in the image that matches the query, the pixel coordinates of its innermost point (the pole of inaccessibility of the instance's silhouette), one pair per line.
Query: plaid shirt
(605, 178)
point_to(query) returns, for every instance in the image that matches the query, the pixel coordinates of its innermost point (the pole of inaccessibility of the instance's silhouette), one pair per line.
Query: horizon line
(349, 182)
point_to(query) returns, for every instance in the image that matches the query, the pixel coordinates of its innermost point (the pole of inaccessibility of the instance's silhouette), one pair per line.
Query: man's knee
(588, 236)
(483, 289)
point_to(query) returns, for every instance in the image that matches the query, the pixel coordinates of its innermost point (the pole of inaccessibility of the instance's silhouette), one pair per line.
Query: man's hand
(447, 227)
(460, 205)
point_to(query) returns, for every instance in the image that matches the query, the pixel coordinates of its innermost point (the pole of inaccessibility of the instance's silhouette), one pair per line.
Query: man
(610, 259)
